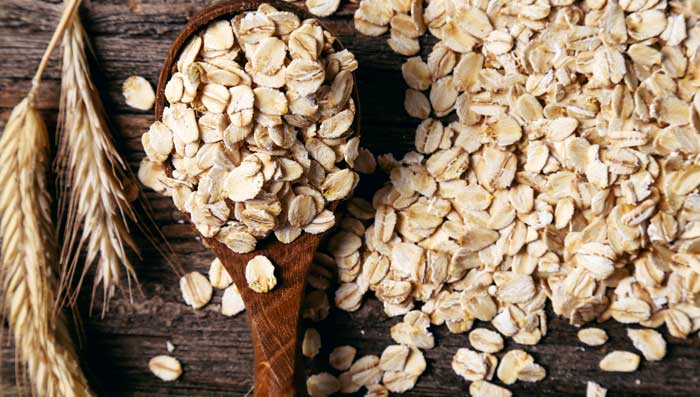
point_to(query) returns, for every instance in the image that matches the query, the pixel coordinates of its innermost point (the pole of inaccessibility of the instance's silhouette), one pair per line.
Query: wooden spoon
(274, 316)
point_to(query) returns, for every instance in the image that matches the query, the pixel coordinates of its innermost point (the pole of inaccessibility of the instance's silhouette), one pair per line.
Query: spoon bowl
(273, 316)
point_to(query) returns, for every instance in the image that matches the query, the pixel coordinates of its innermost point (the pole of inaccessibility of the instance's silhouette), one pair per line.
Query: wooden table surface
(131, 38)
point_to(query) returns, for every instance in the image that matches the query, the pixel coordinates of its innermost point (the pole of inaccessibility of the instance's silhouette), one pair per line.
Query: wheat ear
(27, 262)
(94, 209)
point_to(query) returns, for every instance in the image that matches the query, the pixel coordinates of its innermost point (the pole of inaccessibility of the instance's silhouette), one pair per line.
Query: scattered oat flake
(595, 390)
(322, 385)
(341, 357)
(482, 388)
(473, 366)
(311, 343)
(619, 361)
(138, 93)
(231, 301)
(485, 340)
(366, 371)
(218, 275)
(592, 336)
(166, 368)
(649, 342)
(196, 289)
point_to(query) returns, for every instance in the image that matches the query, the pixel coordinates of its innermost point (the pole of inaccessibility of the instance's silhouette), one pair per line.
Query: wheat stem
(69, 9)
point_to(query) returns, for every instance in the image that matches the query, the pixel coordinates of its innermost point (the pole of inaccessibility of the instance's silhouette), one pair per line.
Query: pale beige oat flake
(138, 93)
(592, 336)
(366, 371)
(218, 275)
(473, 366)
(595, 390)
(649, 342)
(322, 8)
(619, 361)
(166, 368)
(399, 382)
(348, 297)
(417, 104)
(482, 388)
(231, 301)
(196, 289)
(511, 364)
(394, 358)
(260, 274)
(485, 340)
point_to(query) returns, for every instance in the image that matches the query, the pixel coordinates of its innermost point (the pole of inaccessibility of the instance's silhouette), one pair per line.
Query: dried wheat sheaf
(27, 261)
(94, 209)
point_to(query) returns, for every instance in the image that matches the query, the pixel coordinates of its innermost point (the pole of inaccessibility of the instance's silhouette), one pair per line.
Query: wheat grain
(43, 343)
(28, 253)
(94, 208)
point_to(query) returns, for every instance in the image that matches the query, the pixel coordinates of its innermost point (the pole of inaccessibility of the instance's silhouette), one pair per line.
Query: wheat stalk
(43, 343)
(94, 209)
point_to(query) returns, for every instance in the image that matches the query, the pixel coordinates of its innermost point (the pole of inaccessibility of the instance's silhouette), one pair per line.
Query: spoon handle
(274, 321)
(274, 316)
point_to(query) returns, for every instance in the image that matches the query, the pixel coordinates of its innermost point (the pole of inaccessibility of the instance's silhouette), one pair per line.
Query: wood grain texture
(133, 37)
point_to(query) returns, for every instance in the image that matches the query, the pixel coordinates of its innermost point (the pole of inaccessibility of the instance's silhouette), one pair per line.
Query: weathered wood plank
(132, 37)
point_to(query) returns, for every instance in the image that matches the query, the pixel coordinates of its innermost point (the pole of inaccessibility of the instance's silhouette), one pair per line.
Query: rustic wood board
(132, 37)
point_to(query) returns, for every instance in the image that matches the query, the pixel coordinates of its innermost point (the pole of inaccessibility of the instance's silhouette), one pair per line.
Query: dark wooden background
(132, 38)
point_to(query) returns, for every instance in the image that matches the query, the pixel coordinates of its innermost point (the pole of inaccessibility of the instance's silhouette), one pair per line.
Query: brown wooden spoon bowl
(274, 316)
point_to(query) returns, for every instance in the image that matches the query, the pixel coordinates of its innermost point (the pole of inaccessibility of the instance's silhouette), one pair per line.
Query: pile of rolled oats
(569, 173)
(556, 160)
(259, 129)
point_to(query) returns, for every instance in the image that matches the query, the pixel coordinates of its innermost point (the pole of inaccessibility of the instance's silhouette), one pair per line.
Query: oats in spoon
(260, 129)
